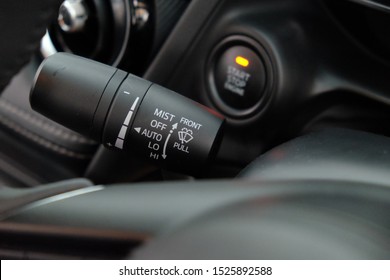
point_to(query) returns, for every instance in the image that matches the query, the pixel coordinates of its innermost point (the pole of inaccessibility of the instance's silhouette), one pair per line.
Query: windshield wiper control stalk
(126, 113)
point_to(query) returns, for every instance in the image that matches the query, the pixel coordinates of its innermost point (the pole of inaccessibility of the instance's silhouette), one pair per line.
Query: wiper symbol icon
(185, 135)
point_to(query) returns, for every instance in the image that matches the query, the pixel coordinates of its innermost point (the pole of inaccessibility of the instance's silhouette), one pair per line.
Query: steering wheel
(321, 196)
(22, 25)
(274, 210)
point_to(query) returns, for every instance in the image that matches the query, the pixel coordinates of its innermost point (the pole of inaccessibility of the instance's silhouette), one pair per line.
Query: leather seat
(35, 150)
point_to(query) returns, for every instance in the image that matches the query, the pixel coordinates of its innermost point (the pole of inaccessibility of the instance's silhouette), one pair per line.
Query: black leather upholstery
(36, 150)
(33, 149)
(22, 25)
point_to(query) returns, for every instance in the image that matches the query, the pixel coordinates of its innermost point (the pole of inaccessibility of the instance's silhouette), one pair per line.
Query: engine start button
(239, 76)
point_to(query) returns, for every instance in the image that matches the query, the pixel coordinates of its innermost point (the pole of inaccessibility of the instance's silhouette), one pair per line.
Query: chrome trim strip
(47, 46)
(54, 198)
(373, 4)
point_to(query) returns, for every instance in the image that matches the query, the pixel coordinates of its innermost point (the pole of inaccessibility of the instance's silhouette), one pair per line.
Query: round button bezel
(218, 51)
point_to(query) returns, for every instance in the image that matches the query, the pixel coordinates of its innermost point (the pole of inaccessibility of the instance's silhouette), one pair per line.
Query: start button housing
(240, 77)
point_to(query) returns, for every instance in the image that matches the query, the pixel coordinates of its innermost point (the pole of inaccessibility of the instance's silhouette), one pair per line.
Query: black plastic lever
(126, 113)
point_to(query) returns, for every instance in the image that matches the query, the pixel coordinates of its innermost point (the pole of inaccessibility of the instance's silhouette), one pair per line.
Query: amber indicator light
(242, 61)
